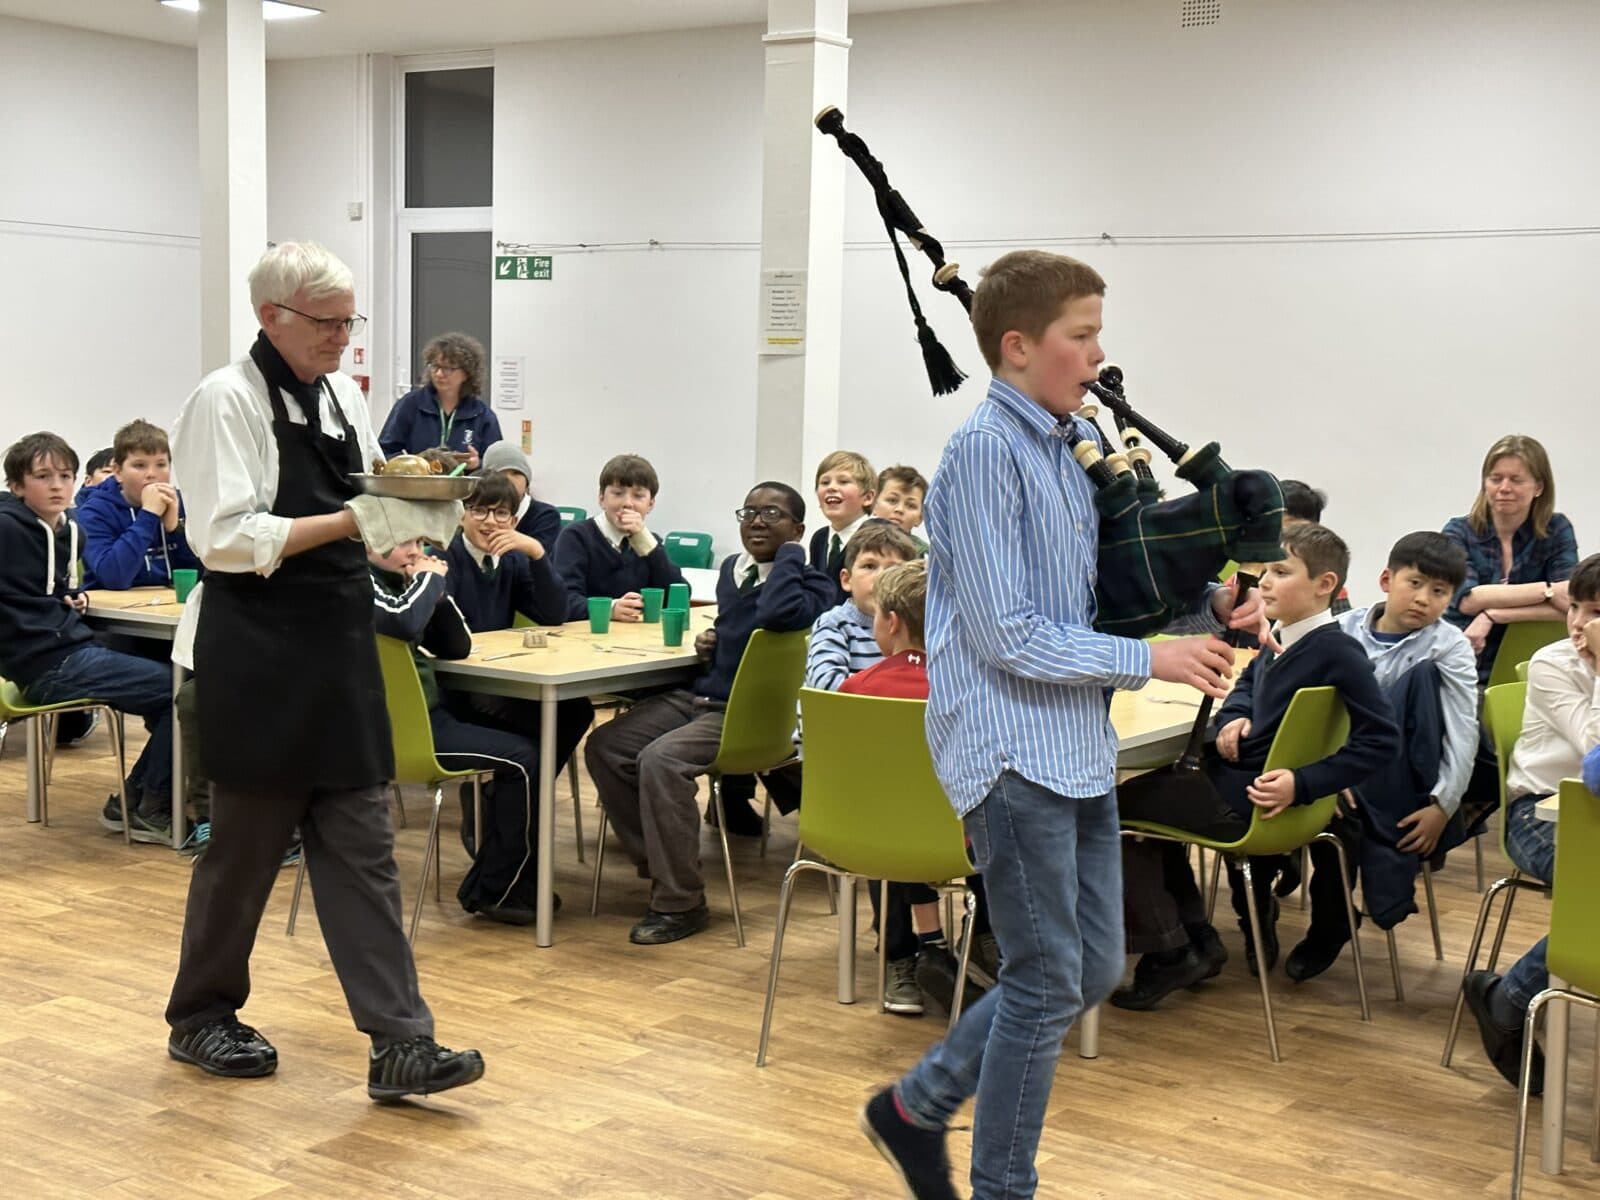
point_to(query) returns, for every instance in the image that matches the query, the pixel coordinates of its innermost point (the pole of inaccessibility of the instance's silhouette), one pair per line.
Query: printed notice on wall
(783, 312)
(508, 373)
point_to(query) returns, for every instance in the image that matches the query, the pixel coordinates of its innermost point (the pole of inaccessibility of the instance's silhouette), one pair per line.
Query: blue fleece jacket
(126, 547)
(415, 424)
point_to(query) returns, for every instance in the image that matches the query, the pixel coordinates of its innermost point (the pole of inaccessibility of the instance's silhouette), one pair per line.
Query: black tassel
(943, 374)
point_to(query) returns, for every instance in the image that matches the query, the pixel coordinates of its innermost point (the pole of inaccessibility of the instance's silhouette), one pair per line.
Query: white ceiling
(426, 26)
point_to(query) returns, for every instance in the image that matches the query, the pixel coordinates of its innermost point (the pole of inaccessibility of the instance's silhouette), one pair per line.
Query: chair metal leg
(727, 856)
(577, 820)
(1261, 963)
(1305, 877)
(599, 863)
(119, 746)
(1433, 912)
(294, 898)
(33, 730)
(966, 958)
(429, 851)
(1477, 852)
(1216, 882)
(883, 947)
(1350, 915)
(785, 898)
(1505, 920)
(766, 819)
(49, 747)
(5, 730)
(1509, 885)
(399, 803)
(1540, 1003)
(1394, 967)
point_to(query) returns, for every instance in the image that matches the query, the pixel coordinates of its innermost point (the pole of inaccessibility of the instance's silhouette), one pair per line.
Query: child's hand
(77, 602)
(427, 565)
(1229, 737)
(504, 541)
(154, 499)
(629, 522)
(169, 519)
(1478, 632)
(706, 643)
(1272, 792)
(1589, 651)
(1202, 663)
(1251, 615)
(628, 608)
(1426, 825)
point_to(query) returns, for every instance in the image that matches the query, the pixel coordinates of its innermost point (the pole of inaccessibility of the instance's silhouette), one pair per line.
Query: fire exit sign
(522, 266)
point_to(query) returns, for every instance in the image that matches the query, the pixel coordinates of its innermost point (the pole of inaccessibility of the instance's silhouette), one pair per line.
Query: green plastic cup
(599, 614)
(183, 582)
(678, 596)
(652, 598)
(673, 622)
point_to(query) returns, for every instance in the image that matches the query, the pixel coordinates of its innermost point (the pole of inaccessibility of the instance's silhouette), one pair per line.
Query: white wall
(99, 232)
(1378, 370)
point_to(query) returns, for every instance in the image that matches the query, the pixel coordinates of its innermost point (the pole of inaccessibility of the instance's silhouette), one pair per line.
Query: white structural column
(802, 231)
(233, 173)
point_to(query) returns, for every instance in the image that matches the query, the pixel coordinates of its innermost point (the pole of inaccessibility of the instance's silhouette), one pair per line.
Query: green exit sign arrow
(522, 266)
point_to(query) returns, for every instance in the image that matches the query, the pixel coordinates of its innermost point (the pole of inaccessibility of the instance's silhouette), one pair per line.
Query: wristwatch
(1549, 592)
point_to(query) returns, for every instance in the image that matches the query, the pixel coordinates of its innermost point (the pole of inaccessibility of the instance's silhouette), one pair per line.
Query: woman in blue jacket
(449, 410)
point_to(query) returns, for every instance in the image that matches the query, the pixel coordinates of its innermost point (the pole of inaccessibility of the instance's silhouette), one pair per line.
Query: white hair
(302, 267)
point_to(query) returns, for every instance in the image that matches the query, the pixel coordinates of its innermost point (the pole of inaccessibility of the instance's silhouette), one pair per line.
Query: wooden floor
(621, 1071)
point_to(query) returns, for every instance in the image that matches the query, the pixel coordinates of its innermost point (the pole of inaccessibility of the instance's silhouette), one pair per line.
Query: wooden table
(572, 663)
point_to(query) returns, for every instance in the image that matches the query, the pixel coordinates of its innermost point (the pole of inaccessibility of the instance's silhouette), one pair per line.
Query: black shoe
(152, 821)
(1501, 1030)
(419, 1066)
(1269, 936)
(1159, 975)
(226, 1047)
(1208, 945)
(917, 1155)
(469, 834)
(1314, 955)
(508, 913)
(111, 814)
(658, 928)
(743, 821)
(73, 727)
(1288, 877)
(936, 976)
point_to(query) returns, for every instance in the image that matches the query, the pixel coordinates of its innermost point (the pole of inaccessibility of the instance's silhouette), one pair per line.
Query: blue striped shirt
(841, 644)
(1017, 678)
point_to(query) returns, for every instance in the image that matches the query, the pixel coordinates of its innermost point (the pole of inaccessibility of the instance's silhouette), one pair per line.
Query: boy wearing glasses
(646, 764)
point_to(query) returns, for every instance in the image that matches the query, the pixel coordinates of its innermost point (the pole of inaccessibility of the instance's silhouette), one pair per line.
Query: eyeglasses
(327, 326)
(503, 515)
(770, 514)
(443, 368)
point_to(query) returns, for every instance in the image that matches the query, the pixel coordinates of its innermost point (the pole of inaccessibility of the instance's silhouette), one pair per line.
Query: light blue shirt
(841, 644)
(1448, 649)
(1018, 680)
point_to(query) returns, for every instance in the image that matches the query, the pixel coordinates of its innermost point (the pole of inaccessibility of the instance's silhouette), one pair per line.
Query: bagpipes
(1156, 556)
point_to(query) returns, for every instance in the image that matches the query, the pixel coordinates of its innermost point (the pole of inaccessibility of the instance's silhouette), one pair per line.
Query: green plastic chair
(1522, 672)
(414, 762)
(40, 724)
(873, 808)
(1573, 951)
(1517, 645)
(688, 549)
(1315, 726)
(757, 735)
(571, 515)
(1503, 707)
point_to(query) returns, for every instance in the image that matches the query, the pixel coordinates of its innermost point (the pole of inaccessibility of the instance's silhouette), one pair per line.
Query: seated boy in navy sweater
(1165, 915)
(412, 602)
(535, 518)
(48, 650)
(496, 573)
(612, 553)
(646, 764)
(133, 522)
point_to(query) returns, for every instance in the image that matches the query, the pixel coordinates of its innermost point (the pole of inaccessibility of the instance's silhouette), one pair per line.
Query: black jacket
(38, 570)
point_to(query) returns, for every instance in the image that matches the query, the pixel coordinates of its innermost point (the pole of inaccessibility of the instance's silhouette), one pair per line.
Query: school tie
(751, 574)
(835, 556)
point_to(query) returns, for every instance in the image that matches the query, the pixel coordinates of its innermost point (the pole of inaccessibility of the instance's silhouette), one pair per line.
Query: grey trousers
(349, 848)
(645, 765)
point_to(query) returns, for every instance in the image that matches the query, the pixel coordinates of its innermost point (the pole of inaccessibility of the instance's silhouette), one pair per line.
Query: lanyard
(445, 425)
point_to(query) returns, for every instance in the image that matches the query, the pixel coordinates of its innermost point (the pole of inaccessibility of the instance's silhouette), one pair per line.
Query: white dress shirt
(1560, 723)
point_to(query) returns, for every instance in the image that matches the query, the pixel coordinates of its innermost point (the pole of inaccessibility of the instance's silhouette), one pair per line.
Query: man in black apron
(294, 731)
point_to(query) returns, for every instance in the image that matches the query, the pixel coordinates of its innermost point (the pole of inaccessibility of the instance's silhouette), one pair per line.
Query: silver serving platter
(417, 487)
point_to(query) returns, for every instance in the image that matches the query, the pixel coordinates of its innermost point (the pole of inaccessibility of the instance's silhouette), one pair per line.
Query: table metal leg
(545, 913)
(847, 939)
(180, 780)
(33, 736)
(1089, 1033)
(1556, 1019)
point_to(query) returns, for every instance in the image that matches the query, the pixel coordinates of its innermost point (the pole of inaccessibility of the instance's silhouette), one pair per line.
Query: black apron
(290, 690)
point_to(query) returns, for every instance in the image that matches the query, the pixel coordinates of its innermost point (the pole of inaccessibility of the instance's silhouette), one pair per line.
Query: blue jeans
(1532, 846)
(129, 684)
(1052, 870)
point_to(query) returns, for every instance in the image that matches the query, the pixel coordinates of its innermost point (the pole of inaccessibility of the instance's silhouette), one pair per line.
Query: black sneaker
(111, 814)
(226, 1047)
(1158, 975)
(152, 822)
(1314, 954)
(1208, 945)
(936, 977)
(917, 1155)
(659, 928)
(419, 1066)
